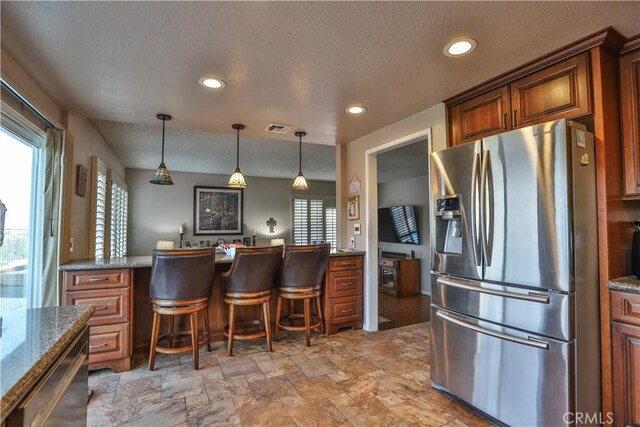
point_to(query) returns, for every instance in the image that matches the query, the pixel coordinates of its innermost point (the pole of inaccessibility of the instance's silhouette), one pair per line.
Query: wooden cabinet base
(120, 365)
(343, 294)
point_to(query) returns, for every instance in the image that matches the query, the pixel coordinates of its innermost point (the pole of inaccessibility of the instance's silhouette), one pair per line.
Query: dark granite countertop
(31, 341)
(625, 284)
(145, 261)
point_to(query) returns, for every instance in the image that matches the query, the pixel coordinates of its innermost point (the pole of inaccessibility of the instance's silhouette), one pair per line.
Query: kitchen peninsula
(118, 288)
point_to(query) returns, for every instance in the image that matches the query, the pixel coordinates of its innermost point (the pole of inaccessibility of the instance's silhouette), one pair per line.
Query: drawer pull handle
(104, 344)
(345, 263)
(97, 279)
(346, 283)
(101, 307)
(348, 310)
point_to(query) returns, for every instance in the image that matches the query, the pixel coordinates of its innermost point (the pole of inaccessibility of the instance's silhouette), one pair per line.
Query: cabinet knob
(504, 121)
(347, 310)
(345, 283)
(101, 307)
(104, 344)
(513, 121)
(97, 279)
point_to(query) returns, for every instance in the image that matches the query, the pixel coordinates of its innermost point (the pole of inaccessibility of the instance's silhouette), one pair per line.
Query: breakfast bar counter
(119, 290)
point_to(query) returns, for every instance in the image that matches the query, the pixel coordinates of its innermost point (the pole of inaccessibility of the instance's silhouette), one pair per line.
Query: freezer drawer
(537, 311)
(515, 377)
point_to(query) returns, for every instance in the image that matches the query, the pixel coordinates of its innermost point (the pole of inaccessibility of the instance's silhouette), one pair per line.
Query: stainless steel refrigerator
(515, 313)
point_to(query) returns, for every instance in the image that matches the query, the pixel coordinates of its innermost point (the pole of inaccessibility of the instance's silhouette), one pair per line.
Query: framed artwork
(187, 244)
(217, 211)
(353, 207)
(81, 181)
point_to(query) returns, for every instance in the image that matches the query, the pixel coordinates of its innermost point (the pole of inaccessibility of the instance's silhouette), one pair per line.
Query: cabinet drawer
(96, 279)
(386, 263)
(108, 342)
(625, 307)
(345, 283)
(345, 309)
(345, 263)
(112, 305)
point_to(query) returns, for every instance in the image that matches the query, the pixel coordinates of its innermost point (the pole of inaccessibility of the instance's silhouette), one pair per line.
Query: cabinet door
(626, 374)
(484, 115)
(630, 103)
(556, 92)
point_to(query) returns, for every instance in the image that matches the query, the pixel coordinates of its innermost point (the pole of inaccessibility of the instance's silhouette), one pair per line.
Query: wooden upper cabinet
(484, 115)
(556, 92)
(630, 114)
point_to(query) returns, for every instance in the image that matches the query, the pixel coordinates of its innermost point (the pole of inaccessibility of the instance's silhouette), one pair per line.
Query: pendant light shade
(300, 183)
(162, 175)
(237, 179)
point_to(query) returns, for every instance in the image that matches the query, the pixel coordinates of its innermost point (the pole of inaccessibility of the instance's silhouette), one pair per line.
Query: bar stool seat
(249, 282)
(181, 284)
(301, 278)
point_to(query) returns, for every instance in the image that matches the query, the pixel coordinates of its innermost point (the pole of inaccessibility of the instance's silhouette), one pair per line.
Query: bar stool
(181, 282)
(249, 282)
(301, 278)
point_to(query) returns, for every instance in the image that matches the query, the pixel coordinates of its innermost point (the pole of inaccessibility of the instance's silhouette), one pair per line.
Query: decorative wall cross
(271, 223)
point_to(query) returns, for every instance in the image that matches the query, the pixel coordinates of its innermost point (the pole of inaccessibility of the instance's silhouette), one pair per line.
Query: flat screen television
(398, 224)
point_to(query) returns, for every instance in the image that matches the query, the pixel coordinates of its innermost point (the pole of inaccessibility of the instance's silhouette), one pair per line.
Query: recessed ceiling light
(460, 47)
(212, 83)
(356, 109)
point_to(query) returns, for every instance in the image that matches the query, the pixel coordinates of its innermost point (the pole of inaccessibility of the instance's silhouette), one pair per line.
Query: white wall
(411, 191)
(156, 211)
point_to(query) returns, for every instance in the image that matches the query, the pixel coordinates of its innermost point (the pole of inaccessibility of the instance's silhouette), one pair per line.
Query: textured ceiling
(402, 163)
(299, 63)
(138, 146)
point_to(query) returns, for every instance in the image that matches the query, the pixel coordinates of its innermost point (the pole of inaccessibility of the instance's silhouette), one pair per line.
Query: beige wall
(433, 118)
(87, 142)
(156, 212)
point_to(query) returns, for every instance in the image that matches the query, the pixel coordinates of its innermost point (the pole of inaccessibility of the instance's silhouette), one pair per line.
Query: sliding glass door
(21, 233)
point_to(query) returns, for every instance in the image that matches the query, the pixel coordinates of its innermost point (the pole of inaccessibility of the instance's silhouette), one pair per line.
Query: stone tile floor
(348, 379)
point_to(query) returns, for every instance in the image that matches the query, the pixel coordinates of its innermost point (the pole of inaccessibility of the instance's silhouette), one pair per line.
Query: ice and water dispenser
(449, 224)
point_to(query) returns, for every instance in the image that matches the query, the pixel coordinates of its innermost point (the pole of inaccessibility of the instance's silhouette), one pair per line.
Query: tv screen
(398, 224)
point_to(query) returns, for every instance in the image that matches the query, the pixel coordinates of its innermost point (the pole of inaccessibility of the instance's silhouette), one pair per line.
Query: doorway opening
(403, 242)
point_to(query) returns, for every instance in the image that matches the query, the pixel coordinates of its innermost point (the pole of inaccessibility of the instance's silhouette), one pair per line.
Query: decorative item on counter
(253, 236)
(246, 241)
(237, 179)
(353, 207)
(165, 244)
(271, 222)
(217, 211)
(81, 181)
(181, 235)
(162, 175)
(187, 244)
(300, 183)
(277, 242)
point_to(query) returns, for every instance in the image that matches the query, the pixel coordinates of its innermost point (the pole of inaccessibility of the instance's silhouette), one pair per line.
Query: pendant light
(162, 175)
(237, 180)
(300, 183)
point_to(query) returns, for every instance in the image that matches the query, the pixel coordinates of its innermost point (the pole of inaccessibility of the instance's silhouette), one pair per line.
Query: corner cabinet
(625, 340)
(109, 291)
(557, 91)
(630, 114)
(343, 293)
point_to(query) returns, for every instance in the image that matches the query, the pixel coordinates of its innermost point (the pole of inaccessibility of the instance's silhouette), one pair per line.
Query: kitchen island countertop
(625, 284)
(31, 342)
(145, 261)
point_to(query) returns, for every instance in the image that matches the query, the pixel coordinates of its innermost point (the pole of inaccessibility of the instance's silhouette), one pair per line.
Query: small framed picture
(187, 244)
(208, 243)
(81, 181)
(202, 244)
(353, 207)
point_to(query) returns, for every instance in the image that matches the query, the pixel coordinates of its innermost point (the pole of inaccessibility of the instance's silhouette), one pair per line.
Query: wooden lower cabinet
(625, 341)
(343, 293)
(110, 327)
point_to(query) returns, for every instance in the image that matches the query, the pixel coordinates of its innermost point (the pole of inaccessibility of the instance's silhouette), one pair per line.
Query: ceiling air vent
(278, 128)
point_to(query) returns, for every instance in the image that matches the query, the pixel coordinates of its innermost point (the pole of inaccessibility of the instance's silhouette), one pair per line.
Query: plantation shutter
(314, 219)
(101, 213)
(119, 201)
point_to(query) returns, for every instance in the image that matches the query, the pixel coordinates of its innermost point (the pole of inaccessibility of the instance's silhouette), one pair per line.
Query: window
(119, 200)
(314, 219)
(109, 203)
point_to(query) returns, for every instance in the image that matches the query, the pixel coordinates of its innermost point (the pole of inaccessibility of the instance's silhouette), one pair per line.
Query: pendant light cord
(300, 159)
(163, 121)
(238, 148)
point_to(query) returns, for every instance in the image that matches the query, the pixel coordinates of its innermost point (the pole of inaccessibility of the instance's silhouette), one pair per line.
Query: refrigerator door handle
(486, 207)
(475, 244)
(532, 297)
(531, 341)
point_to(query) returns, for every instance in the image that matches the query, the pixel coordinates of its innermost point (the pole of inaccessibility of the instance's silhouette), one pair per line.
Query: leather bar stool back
(249, 282)
(181, 282)
(301, 278)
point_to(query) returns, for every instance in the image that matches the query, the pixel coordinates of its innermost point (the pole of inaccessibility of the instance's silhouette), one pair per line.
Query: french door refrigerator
(514, 313)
